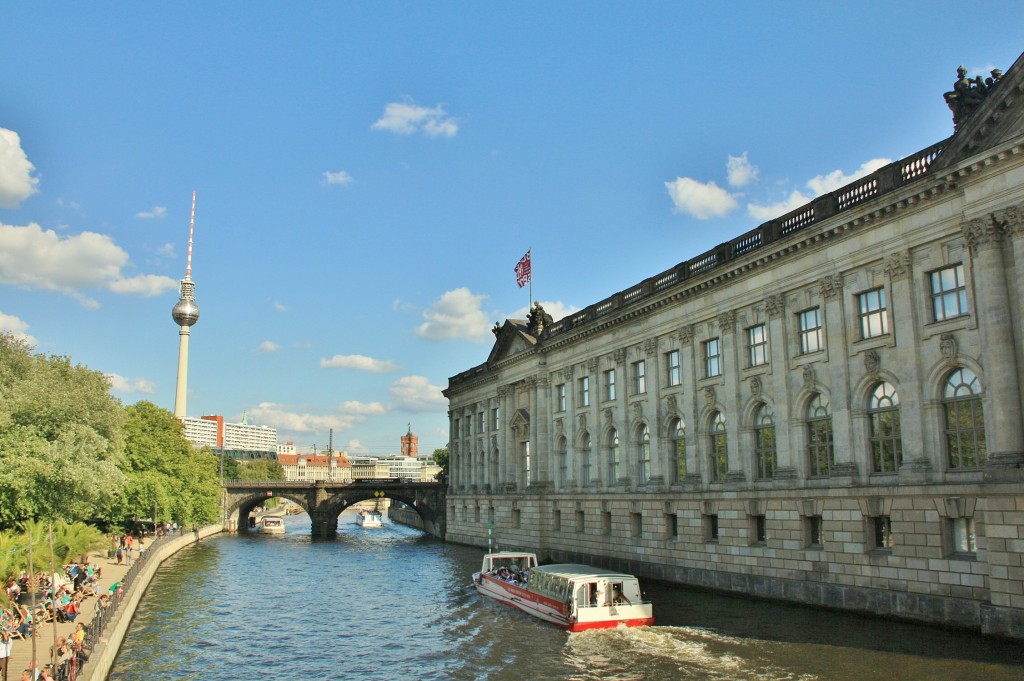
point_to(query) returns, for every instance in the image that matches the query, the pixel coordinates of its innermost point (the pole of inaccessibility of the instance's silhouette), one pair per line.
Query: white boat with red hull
(574, 597)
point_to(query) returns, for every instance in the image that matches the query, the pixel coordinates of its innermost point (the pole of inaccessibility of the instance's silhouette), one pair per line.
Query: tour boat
(574, 597)
(369, 519)
(271, 524)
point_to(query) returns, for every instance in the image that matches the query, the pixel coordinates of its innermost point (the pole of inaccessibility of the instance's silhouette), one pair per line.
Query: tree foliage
(441, 458)
(260, 469)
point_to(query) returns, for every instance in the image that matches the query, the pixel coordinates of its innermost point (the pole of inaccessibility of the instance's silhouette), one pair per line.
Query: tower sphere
(185, 312)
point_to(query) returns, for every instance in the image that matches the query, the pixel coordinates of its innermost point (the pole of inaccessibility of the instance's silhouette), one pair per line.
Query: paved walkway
(22, 653)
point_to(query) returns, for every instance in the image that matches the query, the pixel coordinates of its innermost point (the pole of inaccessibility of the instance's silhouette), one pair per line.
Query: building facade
(327, 466)
(240, 441)
(826, 409)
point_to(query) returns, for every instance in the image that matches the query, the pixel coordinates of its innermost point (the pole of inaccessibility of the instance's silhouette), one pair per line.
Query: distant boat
(369, 519)
(271, 524)
(574, 597)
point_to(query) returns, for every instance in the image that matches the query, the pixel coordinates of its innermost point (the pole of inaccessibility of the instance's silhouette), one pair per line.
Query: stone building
(826, 409)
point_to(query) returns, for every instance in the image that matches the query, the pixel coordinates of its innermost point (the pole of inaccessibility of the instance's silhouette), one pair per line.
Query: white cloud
(120, 384)
(146, 285)
(741, 171)
(456, 314)
(35, 258)
(167, 250)
(16, 181)
(359, 362)
(407, 118)
(701, 200)
(557, 310)
(356, 408)
(268, 346)
(355, 446)
(415, 393)
(280, 307)
(765, 212)
(823, 184)
(278, 416)
(157, 212)
(340, 177)
(16, 327)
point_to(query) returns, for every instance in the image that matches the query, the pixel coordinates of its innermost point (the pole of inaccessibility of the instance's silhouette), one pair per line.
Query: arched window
(613, 456)
(643, 447)
(819, 436)
(585, 459)
(719, 448)
(563, 462)
(965, 420)
(677, 429)
(886, 444)
(764, 435)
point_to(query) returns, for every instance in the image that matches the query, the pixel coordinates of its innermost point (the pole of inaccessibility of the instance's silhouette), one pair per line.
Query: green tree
(441, 457)
(60, 437)
(167, 477)
(260, 469)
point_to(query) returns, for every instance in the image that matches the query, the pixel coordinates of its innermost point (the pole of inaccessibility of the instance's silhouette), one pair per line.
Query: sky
(368, 175)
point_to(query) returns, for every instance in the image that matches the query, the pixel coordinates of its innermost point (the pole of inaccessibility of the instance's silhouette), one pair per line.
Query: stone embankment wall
(102, 660)
(403, 515)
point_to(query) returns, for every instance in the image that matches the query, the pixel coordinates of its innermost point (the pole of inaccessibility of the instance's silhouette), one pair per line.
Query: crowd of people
(41, 598)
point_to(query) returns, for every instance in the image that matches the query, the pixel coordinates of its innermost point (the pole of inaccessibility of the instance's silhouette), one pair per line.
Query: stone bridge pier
(324, 501)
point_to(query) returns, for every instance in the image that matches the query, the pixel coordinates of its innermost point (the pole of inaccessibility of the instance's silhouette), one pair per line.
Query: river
(392, 603)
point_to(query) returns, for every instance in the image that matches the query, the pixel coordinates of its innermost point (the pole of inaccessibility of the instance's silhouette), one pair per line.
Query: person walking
(6, 650)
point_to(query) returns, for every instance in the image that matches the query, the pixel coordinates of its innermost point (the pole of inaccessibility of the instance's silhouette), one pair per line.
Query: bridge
(324, 501)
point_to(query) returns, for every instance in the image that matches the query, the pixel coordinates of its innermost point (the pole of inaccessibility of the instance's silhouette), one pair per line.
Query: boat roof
(575, 571)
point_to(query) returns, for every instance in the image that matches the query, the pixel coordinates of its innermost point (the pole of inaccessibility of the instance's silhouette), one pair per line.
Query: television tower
(185, 314)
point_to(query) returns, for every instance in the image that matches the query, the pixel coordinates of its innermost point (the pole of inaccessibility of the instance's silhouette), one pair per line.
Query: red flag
(523, 271)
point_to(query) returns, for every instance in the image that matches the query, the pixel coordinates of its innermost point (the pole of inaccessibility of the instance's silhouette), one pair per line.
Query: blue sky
(368, 174)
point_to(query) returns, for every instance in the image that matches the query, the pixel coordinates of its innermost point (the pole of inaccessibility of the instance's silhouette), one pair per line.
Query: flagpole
(530, 251)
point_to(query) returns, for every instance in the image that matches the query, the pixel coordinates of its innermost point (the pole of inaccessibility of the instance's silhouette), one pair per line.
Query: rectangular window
(881, 530)
(455, 428)
(810, 331)
(672, 367)
(476, 514)
(494, 418)
(813, 537)
(585, 391)
(672, 525)
(560, 396)
(556, 521)
(606, 522)
(516, 518)
(949, 293)
(580, 522)
(712, 358)
(636, 524)
(758, 530)
(639, 377)
(874, 321)
(963, 535)
(609, 384)
(711, 528)
(480, 422)
(757, 345)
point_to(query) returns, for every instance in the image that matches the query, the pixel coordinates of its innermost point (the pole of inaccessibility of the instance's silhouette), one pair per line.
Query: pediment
(512, 339)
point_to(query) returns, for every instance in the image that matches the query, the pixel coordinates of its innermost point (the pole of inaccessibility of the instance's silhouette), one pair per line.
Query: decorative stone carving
(558, 426)
(538, 320)
(710, 398)
(727, 321)
(608, 417)
(980, 232)
(619, 357)
(872, 362)
(1012, 220)
(830, 286)
(968, 94)
(567, 373)
(686, 335)
(897, 265)
(948, 348)
(502, 391)
(808, 373)
(651, 346)
(670, 405)
(638, 410)
(755, 386)
(543, 382)
(592, 364)
(496, 329)
(774, 305)
(582, 420)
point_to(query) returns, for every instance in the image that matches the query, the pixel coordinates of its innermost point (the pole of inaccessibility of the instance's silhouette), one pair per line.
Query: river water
(392, 603)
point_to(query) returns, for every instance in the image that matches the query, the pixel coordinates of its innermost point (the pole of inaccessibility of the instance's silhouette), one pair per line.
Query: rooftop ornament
(968, 94)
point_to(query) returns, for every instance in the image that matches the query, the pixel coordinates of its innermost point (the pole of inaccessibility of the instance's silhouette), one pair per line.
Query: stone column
(688, 408)
(916, 467)
(730, 360)
(504, 438)
(787, 469)
(540, 431)
(844, 469)
(1003, 431)
(656, 477)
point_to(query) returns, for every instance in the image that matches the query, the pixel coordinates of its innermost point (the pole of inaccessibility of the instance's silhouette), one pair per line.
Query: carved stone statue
(538, 320)
(967, 94)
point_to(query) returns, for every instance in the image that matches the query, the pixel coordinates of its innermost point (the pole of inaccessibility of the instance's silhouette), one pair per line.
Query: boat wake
(670, 653)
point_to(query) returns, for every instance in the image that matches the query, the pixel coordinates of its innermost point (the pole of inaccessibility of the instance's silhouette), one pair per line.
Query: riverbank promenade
(105, 627)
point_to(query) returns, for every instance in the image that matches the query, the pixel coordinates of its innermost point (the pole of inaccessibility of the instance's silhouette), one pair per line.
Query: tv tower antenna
(185, 315)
